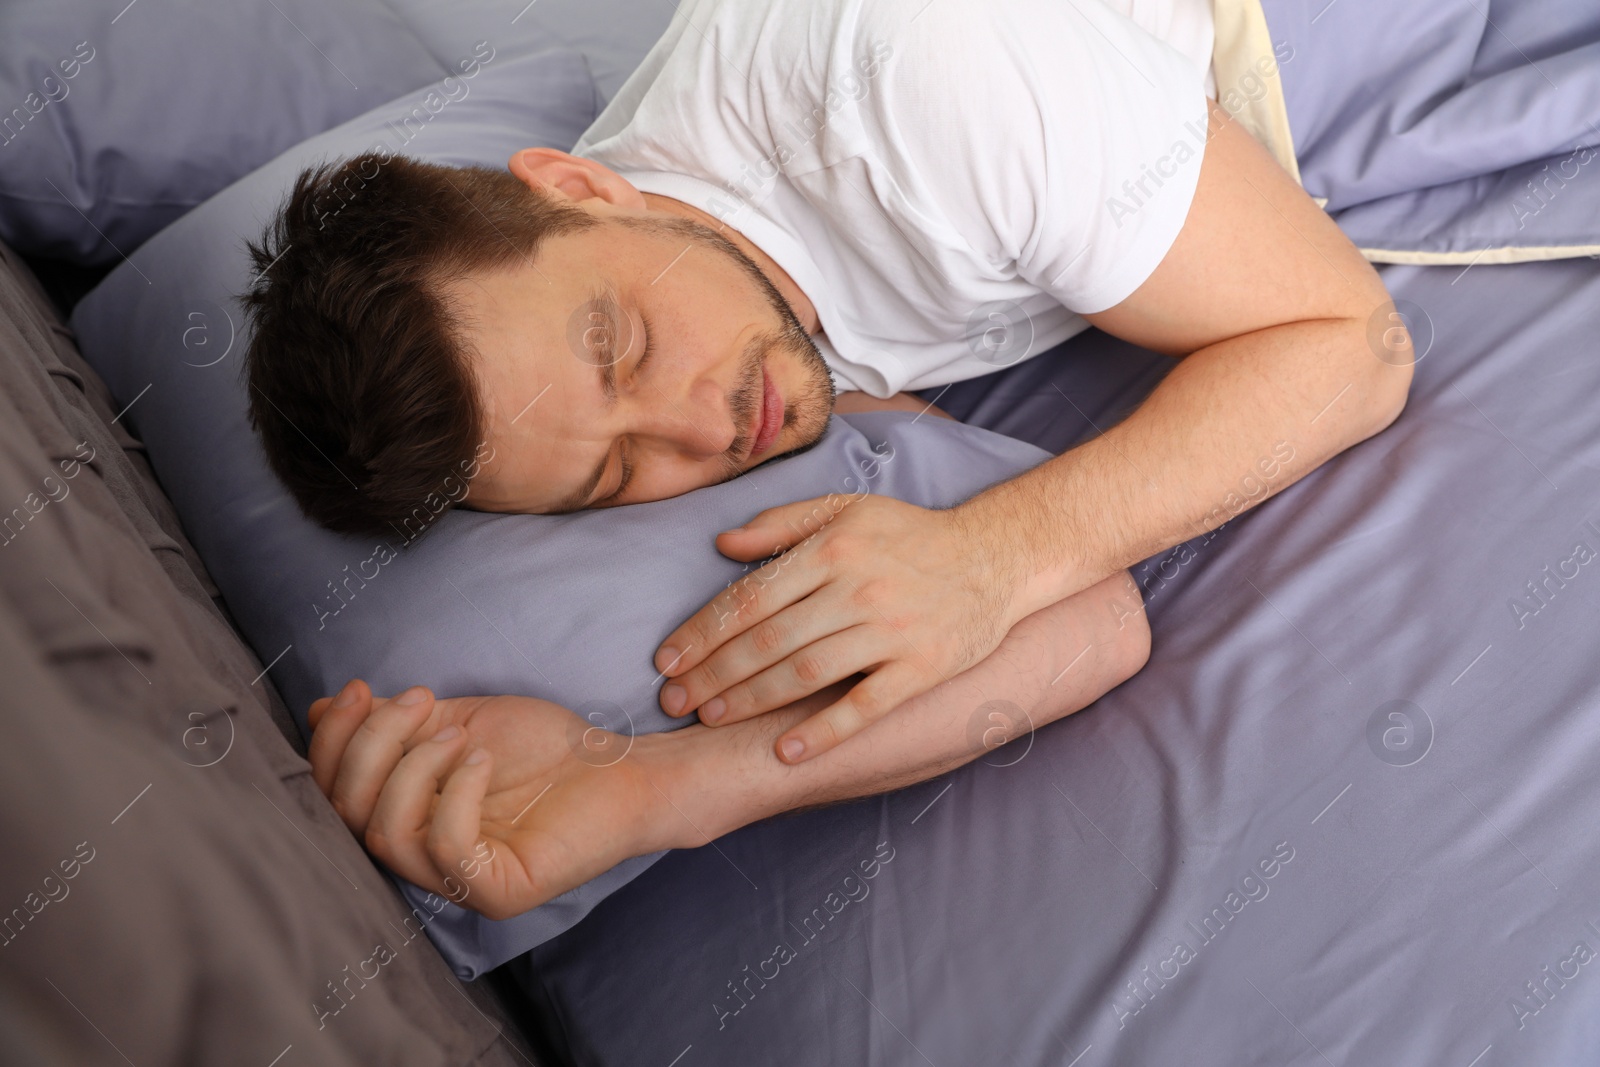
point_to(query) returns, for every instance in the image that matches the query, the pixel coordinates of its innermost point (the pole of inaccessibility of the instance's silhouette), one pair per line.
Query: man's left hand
(908, 596)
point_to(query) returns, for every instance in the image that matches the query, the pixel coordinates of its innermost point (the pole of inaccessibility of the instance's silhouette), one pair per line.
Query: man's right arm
(524, 801)
(852, 402)
(1051, 664)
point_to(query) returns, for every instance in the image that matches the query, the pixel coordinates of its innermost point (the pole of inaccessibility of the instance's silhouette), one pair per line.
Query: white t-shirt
(948, 181)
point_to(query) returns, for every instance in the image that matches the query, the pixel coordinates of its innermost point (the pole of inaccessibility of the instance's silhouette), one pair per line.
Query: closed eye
(622, 486)
(627, 461)
(649, 343)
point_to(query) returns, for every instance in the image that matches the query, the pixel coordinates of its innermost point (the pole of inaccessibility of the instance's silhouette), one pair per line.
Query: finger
(816, 666)
(335, 723)
(398, 830)
(456, 841)
(351, 692)
(870, 700)
(373, 752)
(758, 595)
(763, 645)
(778, 529)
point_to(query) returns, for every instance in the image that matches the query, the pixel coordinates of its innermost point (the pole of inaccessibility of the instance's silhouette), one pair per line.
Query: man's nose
(696, 420)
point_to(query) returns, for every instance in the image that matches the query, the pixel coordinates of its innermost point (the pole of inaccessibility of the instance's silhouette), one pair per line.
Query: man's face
(635, 360)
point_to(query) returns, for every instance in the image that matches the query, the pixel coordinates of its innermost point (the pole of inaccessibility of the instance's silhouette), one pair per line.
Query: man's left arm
(1292, 352)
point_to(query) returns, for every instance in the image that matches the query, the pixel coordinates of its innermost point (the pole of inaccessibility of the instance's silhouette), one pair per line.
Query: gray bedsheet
(1345, 815)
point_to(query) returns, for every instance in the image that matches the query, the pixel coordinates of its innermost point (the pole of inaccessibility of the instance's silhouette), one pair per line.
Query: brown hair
(360, 386)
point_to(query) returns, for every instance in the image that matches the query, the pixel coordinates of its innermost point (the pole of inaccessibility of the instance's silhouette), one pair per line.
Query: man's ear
(550, 170)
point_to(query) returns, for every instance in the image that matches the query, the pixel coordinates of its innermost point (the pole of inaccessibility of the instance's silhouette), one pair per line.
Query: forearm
(857, 402)
(1233, 424)
(1052, 663)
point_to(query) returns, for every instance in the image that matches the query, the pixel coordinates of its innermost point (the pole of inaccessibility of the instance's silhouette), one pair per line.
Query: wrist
(683, 782)
(656, 779)
(704, 782)
(1033, 562)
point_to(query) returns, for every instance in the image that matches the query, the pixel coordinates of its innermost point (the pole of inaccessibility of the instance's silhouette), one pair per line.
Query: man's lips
(770, 418)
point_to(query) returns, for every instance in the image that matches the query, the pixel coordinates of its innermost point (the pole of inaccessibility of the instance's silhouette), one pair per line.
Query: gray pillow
(116, 120)
(569, 608)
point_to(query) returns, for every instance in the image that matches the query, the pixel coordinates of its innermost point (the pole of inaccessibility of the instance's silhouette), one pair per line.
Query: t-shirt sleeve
(1061, 140)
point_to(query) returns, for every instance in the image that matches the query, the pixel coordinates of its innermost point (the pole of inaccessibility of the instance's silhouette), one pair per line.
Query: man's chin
(795, 451)
(814, 408)
(814, 428)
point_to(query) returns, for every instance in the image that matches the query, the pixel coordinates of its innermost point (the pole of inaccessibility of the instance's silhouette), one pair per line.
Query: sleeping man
(797, 207)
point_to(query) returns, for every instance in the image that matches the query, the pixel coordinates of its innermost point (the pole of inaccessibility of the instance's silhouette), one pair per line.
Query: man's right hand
(499, 803)
(554, 806)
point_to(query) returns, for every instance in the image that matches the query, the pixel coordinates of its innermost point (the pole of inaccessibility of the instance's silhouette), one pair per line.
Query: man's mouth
(769, 417)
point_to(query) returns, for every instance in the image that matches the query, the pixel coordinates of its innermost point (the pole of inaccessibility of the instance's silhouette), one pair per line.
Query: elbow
(1385, 357)
(1391, 388)
(1131, 644)
(1111, 616)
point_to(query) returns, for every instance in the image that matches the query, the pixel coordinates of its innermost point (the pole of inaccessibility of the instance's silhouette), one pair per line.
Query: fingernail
(347, 695)
(415, 695)
(673, 697)
(478, 756)
(667, 657)
(449, 733)
(713, 710)
(792, 749)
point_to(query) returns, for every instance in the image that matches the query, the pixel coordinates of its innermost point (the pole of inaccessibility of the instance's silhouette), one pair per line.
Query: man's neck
(798, 301)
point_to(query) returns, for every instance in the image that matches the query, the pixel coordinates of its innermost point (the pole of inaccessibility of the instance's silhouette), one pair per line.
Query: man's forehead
(507, 318)
(516, 286)
(542, 402)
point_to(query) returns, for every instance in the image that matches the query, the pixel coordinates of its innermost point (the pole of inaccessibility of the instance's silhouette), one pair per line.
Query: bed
(1341, 816)
(1380, 687)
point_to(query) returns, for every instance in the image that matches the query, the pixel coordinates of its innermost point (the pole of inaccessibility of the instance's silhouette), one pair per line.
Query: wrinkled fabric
(1344, 815)
(1454, 126)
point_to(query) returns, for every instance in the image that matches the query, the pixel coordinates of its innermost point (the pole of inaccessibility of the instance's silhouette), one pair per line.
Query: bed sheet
(1457, 131)
(1343, 816)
